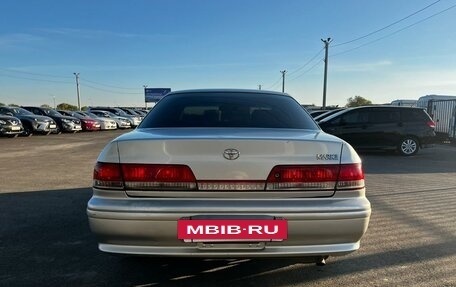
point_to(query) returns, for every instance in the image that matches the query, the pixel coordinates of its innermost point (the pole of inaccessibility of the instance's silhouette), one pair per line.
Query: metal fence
(443, 114)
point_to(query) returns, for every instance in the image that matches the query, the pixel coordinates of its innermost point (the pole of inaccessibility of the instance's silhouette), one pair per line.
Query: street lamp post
(145, 102)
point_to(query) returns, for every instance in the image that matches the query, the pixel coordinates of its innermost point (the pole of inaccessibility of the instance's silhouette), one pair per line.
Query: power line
(395, 32)
(275, 83)
(307, 63)
(33, 79)
(109, 86)
(387, 26)
(35, 74)
(109, 91)
(295, 71)
(308, 70)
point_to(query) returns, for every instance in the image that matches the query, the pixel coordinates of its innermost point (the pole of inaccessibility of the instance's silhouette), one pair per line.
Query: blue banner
(153, 95)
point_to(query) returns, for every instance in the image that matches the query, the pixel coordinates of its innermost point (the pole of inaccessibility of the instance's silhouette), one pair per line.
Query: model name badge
(327, 156)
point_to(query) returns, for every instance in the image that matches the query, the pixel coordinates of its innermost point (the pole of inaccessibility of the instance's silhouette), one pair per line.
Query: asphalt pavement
(45, 239)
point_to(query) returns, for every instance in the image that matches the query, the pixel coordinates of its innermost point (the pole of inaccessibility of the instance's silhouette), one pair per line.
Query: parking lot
(45, 239)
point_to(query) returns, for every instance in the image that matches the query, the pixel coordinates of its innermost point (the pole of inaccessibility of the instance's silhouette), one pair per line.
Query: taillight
(143, 176)
(158, 177)
(315, 177)
(431, 124)
(350, 176)
(107, 175)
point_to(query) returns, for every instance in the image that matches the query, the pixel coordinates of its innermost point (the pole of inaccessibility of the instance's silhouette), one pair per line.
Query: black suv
(32, 123)
(403, 129)
(64, 123)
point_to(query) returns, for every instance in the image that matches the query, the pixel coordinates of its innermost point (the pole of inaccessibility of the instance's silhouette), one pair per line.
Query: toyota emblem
(231, 154)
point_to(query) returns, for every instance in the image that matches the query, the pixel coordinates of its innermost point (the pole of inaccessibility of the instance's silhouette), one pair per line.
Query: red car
(87, 123)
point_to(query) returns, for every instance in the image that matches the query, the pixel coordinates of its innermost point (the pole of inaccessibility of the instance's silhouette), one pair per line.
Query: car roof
(227, 91)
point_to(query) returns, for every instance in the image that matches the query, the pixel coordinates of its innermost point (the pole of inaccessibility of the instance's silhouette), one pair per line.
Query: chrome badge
(231, 154)
(327, 156)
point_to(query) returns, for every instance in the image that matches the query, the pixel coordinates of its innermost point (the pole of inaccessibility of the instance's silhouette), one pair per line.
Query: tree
(13, 105)
(46, 106)
(357, 101)
(2, 104)
(66, 107)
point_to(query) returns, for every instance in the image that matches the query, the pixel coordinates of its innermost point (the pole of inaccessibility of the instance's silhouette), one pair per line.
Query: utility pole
(327, 41)
(77, 90)
(283, 80)
(145, 102)
(53, 97)
(259, 87)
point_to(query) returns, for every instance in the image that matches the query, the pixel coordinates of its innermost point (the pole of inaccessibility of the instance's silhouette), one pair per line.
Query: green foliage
(2, 104)
(357, 101)
(84, 108)
(46, 106)
(13, 105)
(66, 107)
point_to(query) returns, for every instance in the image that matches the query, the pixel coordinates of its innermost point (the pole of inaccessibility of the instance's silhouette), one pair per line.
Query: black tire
(28, 132)
(408, 146)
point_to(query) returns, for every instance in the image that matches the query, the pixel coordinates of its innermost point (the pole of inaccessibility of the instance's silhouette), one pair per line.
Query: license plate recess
(236, 229)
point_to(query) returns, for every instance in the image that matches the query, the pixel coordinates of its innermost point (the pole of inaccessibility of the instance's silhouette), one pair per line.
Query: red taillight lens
(431, 124)
(107, 175)
(156, 172)
(350, 176)
(316, 177)
(158, 177)
(315, 173)
(143, 176)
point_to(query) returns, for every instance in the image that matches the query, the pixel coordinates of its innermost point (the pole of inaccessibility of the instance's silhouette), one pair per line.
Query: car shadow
(45, 240)
(438, 159)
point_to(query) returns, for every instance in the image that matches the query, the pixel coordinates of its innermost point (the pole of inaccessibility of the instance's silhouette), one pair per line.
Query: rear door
(350, 126)
(384, 128)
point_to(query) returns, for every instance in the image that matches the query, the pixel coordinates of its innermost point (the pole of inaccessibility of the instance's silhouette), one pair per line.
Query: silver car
(121, 122)
(229, 173)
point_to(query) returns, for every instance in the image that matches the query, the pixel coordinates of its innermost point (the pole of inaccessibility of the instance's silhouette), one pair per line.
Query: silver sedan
(229, 173)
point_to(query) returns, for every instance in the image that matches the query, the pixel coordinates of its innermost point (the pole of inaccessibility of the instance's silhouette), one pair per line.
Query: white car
(229, 173)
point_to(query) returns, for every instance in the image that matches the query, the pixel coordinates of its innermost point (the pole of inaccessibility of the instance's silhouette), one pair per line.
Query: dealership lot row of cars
(402, 129)
(29, 120)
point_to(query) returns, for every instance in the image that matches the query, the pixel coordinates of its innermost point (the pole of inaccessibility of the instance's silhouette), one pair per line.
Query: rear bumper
(316, 227)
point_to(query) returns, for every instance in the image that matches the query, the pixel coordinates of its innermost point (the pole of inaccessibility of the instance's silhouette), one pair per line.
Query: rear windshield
(245, 110)
(414, 115)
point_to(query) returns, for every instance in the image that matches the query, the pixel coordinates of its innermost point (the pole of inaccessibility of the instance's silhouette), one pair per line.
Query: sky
(382, 50)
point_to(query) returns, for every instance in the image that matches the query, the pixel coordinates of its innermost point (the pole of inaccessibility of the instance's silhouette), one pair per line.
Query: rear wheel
(408, 146)
(27, 131)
